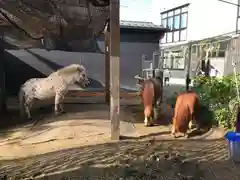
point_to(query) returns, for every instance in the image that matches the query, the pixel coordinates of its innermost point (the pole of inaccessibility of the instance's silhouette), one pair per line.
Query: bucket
(233, 145)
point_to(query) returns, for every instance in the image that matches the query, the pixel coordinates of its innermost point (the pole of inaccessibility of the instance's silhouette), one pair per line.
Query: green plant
(218, 99)
(219, 95)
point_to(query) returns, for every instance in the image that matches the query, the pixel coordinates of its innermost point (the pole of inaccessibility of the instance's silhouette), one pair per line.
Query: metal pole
(236, 80)
(188, 65)
(237, 20)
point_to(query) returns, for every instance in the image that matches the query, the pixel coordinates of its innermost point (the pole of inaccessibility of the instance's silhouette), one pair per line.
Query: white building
(198, 19)
(195, 21)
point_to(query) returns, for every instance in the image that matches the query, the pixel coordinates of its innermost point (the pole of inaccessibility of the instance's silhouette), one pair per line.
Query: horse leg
(190, 125)
(58, 103)
(157, 109)
(185, 135)
(146, 121)
(192, 118)
(148, 116)
(61, 105)
(28, 104)
(173, 132)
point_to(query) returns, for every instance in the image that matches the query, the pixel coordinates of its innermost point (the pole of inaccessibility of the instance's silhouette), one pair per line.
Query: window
(183, 35)
(164, 22)
(170, 23)
(177, 11)
(221, 51)
(169, 37)
(178, 63)
(174, 60)
(194, 49)
(167, 61)
(185, 9)
(176, 36)
(183, 20)
(170, 13)
(176, 21)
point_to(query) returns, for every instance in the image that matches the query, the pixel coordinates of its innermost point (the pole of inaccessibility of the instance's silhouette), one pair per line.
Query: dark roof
(141, 25)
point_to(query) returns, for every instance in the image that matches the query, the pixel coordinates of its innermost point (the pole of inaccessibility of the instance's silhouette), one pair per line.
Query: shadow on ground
(138, 159)
(164, 118)
(45, 115)
(138, 115)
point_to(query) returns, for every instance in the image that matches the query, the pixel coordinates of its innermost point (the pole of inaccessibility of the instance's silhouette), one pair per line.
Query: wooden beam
(107, 67)
(123, 94)
(114, 69)
(3, 108)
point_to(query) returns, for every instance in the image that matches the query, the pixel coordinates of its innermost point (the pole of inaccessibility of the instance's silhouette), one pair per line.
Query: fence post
(143, 59)
(154, 60)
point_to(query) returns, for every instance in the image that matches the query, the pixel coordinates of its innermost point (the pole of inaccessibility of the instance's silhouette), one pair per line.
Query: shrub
(219, 95)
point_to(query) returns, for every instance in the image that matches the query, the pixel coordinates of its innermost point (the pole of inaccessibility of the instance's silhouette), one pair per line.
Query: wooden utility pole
(114, 69)
(3, 108)
(107, 66)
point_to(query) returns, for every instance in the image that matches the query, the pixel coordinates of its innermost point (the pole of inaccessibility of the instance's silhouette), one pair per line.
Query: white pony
(56, 84)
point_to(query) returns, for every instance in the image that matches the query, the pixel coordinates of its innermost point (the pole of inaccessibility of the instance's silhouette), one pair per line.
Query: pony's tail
(21, 96)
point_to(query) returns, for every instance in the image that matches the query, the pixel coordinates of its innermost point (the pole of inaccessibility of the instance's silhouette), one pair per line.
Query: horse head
(82, 78)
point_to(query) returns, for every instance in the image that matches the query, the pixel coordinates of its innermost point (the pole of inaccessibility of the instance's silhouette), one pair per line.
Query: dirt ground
(76, 145)
(130, 159)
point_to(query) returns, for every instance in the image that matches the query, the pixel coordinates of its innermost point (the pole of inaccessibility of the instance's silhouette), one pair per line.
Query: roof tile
(141, 24)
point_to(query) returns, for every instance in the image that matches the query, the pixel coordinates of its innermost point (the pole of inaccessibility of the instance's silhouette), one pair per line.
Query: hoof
(174, 135)
(186, 136)
(148, 125)
(151, 125)
(63, 112)
(58, 113)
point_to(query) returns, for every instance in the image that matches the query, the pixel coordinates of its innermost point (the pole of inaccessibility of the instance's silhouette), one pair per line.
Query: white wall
(208, 18)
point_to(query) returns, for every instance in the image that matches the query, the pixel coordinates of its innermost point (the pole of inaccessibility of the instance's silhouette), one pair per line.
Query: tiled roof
(140, 24)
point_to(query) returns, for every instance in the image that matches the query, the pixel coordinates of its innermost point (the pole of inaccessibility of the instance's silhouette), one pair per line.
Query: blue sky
(136, 10)
(146, 10)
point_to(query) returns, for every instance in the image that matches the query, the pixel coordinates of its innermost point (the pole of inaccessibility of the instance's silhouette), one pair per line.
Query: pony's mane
(70, 69)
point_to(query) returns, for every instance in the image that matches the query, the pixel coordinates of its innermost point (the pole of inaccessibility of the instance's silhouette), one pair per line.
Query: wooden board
(90, 94)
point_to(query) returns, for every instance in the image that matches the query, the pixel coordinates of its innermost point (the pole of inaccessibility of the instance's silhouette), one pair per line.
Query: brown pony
(151, 96)
(185, 111)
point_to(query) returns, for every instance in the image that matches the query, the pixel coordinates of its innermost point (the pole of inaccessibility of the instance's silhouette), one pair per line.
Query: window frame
(165, 16)
(171, 62)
